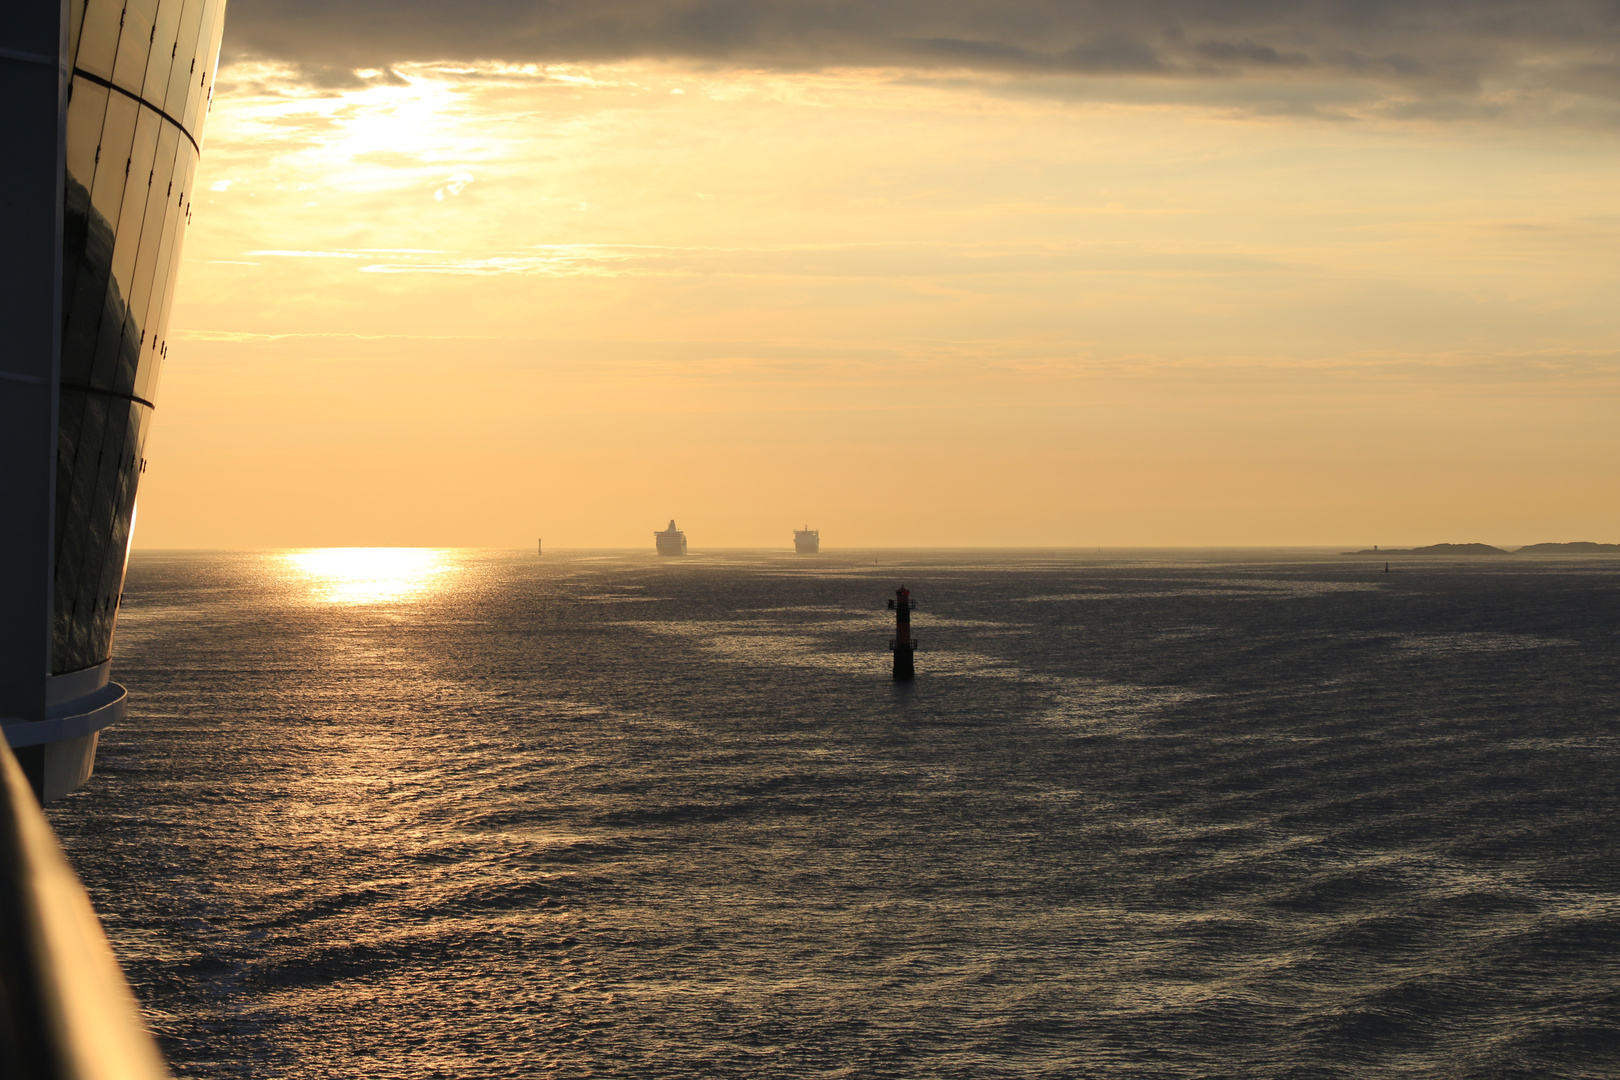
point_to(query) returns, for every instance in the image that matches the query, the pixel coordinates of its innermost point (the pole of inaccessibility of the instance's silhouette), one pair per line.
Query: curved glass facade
(142, 79)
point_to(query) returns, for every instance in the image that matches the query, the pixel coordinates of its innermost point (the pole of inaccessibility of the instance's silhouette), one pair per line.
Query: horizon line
(1334, 548)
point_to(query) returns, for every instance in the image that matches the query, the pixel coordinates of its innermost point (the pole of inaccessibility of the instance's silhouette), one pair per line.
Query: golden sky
(475, 302)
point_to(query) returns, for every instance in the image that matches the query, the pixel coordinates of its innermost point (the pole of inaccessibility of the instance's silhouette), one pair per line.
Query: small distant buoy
(903, 645)
(1386, 568)
(540, 547)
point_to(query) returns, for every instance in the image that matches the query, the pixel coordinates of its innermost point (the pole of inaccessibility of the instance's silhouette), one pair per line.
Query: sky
(938, 273)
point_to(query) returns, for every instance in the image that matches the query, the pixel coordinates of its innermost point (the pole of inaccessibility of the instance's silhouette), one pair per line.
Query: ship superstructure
(671, 541)
(807, 541)
(105, 103)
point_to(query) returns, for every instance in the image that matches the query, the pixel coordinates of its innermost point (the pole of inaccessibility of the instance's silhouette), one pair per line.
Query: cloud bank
(1468, 55)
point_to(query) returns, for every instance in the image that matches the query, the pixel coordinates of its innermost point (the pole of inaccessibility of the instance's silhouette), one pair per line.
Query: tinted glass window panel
(72, 644)
(139, 176)
(110, 342)
(112, 152)
(182, 105)
(146, 377)
(109, 525)
(163, 291)
(87, 109)
(152, 360)
(165, 50)
(75, 490)
(183, 71)
(75, 24)
(98, 41)
(134, 44)
(187, 178)
(108, 508)
(116, 560)
(93, 477)
(86, 444)
(70, 418)
(84, 319)
(146, 258)
(116, 347)
(154, 318)
(61, 630)
(213, 25)
(94, 542)
(85, 306)
(137, 351)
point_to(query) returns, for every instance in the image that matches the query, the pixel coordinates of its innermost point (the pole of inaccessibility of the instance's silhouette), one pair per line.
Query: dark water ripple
(613, 817)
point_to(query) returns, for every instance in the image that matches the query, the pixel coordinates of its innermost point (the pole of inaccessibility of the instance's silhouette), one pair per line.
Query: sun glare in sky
(475, 304)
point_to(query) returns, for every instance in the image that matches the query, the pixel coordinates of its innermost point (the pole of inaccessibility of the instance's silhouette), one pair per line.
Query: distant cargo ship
(671, 541)
(806, 541)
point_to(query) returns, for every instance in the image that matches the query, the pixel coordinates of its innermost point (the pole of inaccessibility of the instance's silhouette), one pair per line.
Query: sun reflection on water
(369, 575)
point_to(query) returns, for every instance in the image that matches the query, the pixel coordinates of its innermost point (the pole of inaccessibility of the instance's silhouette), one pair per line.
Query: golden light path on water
(369, 575)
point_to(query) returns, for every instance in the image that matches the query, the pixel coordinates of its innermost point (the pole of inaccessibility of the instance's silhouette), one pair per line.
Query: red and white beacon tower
(903, 645)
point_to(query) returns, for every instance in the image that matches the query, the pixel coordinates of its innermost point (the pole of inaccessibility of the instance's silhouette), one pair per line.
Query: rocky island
(1435, 549)
(1578, 547)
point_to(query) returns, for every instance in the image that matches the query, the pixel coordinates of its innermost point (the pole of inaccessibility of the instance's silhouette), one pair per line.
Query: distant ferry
(671, 541)
(806, 541)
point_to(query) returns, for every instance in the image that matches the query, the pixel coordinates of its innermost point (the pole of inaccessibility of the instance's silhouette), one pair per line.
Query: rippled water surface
(462, 814)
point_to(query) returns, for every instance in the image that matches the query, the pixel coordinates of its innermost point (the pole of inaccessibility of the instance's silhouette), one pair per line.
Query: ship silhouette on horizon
(670, 541)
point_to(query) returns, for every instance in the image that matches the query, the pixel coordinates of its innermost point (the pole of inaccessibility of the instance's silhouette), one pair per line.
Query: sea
(407, 813)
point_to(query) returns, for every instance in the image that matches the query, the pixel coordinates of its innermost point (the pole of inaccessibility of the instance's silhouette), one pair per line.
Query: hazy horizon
(787, 547)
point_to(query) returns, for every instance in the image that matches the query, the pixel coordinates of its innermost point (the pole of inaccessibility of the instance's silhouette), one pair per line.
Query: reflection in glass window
(182, 73)
(94, 542)
(110, 339)
(87, 109)
(74, 494)
(165, 49)
(129, 174)
(157, 316)
(112, 155)
(213, 25)
(146, 258)
(98, 41)
(93, 258)
(75, 24)
(134, 44)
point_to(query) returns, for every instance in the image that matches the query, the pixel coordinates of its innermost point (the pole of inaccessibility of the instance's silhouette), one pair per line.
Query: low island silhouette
(1578, 547)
